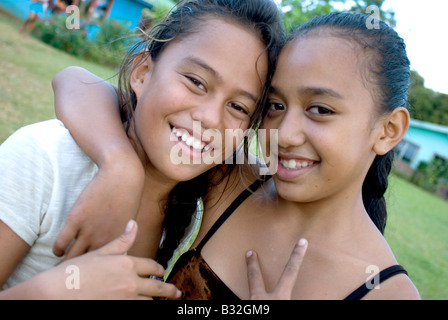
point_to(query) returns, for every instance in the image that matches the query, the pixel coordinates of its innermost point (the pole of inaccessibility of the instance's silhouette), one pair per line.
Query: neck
(150, 216)
(332, 217)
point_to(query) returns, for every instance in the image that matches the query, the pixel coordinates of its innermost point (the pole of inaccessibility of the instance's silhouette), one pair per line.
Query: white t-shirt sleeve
(42, 173)
(26, 180)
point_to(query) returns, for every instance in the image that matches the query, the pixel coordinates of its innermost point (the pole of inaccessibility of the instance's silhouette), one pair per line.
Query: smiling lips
(189, 140)
(292, 164)
(200, 146)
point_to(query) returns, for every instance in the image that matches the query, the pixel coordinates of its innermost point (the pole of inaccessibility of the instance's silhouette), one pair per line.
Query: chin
(182, 173)
(291, 191)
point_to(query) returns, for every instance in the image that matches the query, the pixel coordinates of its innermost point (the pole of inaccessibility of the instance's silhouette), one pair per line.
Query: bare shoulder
(378, 253)
(399, 287)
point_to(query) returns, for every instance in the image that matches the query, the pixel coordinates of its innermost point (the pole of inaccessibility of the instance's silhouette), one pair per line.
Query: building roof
(429, 126)
(146, 3)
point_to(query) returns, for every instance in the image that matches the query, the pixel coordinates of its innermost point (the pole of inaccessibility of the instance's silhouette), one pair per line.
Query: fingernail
(129, 226)
(249, 253)
(302, 242)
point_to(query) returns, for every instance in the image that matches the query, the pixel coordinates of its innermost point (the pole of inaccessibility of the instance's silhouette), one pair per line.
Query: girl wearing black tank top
(338, 100)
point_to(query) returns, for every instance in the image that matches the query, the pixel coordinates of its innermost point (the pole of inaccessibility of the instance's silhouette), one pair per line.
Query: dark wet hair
(387, 75)
(263, 18)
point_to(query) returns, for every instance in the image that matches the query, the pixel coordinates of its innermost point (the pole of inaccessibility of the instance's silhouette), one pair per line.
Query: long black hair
(263, 18)
(387, 73)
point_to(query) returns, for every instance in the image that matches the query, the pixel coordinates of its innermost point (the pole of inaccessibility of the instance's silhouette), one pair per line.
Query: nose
(209, 113)
(291, 129)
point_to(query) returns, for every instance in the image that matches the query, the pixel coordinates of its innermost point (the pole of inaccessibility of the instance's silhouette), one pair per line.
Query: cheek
(150, 125)
(270, 125)
(267, 139)
(234, 131)
(144, 119)
(159, 98)
(345, 149)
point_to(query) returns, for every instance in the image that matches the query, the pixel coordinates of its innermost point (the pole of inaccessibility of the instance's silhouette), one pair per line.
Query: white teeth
(294, 165)
(198, 145)
(291, 163)
(191, 141)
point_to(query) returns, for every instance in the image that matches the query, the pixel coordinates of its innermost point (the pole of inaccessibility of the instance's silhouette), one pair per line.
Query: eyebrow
(318, 91)
(313, 91)
(203, 65)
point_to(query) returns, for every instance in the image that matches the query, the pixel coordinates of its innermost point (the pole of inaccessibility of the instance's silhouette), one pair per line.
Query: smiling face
(326, 119)
(214, 77)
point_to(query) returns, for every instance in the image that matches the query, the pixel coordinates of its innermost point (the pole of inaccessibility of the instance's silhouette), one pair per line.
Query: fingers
(123, 243)
(283, 289)
(148, 267)
(76, 249)
(150, 287)
(292, 268)
(158, 288)
(68, 233)
(254, 276)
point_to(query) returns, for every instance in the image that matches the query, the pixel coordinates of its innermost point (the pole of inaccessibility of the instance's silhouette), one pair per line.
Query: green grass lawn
(418, 222)
(417, 232)
(27, 67)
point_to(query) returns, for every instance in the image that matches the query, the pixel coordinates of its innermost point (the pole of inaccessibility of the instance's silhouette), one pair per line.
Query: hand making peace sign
(284, 287)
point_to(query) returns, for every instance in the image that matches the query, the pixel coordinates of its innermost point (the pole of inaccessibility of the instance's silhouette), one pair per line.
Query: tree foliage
(297, 12)
(433, 176)
(426, 104)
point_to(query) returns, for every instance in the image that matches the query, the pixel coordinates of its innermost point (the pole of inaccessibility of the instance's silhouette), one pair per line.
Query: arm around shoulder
(88, 107)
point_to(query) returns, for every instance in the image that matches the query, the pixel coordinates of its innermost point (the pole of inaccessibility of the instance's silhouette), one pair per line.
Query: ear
(141, 66)
(392, 131)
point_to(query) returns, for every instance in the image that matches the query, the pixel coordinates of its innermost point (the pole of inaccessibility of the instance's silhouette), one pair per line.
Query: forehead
(321, 61)
(222, 43)
(331, 54)
(326, 64)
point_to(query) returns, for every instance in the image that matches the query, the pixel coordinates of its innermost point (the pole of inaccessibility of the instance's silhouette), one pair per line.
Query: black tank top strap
(228, 212)
(359, 293)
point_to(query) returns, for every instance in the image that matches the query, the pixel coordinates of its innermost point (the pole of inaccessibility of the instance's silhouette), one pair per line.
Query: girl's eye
(320, 111)
(238, 108)
(197, 83)
(274, 106)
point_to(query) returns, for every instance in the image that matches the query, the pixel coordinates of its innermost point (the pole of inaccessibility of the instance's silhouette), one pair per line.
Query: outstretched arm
(88, 107)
